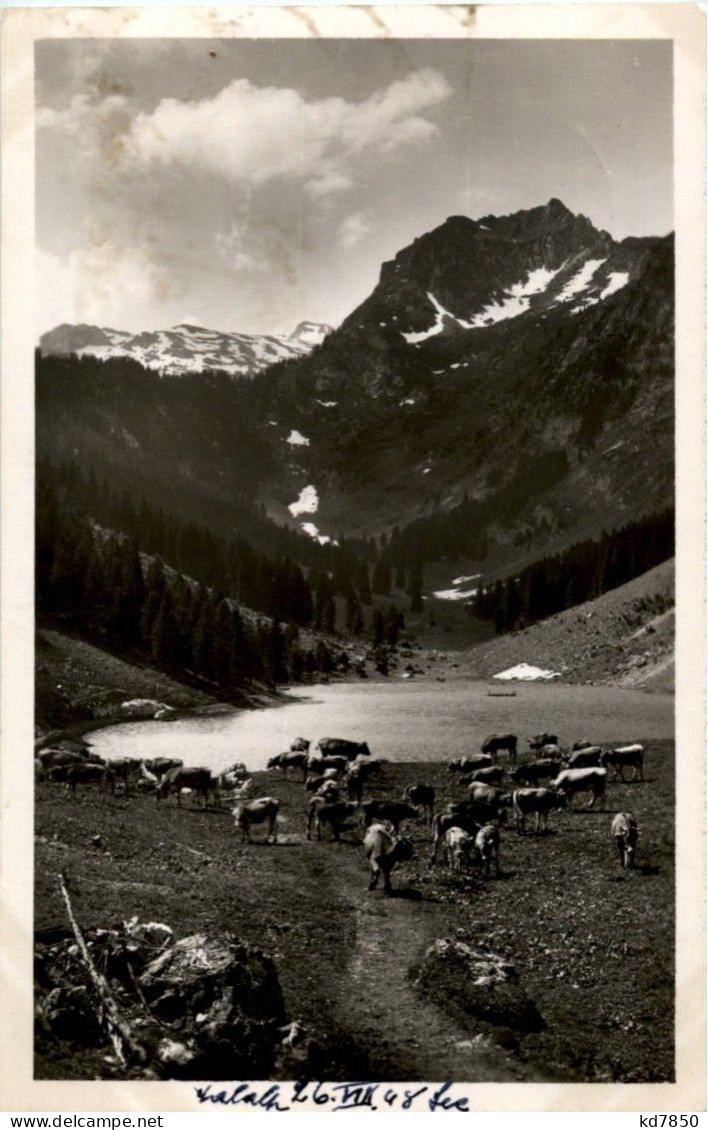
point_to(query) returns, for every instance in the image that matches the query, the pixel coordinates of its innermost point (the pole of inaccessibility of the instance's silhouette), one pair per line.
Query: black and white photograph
(355, 498)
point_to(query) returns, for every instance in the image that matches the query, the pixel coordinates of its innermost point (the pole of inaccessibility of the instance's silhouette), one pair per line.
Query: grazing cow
(384, 849)
(497, 742)
(572, 781)
(291, 759)
(84, 773)
(453, 816)
(538, 802)
(625, 756)
(467, 764)
(53, 758)
(479, 792)
(543, 768)
(340, 747)
(624, 833)
(587, 758)
(147, 781)
(300, 745)
(550, 750)
(543, 739)
(422, 797)
(261, 811)
(313, 784)
(197, 779)
(358, 773)
(318, 765)
(328, 791)
(335, 814)
(457, 847)
(125, 769)
(161, 765)
(491, 775)
(486, 845)
(392, 810)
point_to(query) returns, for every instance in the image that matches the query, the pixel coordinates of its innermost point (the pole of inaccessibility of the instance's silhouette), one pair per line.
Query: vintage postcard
(353, 567)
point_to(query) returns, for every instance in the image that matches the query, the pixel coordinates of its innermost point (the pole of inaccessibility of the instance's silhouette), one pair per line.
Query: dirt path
(410, 1037)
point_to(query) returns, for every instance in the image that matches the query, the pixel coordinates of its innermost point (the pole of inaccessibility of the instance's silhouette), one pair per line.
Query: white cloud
(353, 229)
(252, 134)
(102, 283)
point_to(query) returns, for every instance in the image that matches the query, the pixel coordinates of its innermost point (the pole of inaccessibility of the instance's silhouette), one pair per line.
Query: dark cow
(318, 765)
(391, 810)
(291, 759)
(543, 739)
(544, 768)
(587, 758)
(384, 849)
(339, 747)
(54, 758)
(497, 742)
(467, 764)
(357, 775)
(421, 797)
(83, 773)
(625, 834)
(161, 765)
(197, 779)
(461, 816)
(300, 745)
(625, 757)
(126, 770)
(535, 802)
(335, 814)
(261, 811)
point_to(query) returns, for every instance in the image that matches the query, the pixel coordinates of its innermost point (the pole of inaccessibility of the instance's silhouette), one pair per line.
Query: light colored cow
(589, 780)
(535, 802)
(624, 757)
(625, 835)
(458, 846)
(384, 849)
(486, 845)
(264, 810)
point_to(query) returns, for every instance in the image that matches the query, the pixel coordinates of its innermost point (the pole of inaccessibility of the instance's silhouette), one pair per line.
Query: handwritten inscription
(282, 1097)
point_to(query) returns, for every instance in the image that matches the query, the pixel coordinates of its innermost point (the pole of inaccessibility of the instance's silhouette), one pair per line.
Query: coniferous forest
(580, 573)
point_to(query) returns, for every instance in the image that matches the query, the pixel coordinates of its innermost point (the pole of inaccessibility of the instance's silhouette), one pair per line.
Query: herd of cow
(332, 768)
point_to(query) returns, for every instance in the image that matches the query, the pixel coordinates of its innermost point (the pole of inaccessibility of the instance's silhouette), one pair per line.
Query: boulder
(226, 997)
(476, 982)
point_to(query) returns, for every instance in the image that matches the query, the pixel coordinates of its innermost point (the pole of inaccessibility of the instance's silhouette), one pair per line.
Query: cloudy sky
(248, 185)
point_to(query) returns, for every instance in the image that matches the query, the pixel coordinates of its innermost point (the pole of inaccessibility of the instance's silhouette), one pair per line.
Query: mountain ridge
(185, 347)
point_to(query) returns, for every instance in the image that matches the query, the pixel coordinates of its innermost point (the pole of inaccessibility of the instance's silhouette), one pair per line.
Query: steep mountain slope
(185, 348)
(531, 347)
(524, 363)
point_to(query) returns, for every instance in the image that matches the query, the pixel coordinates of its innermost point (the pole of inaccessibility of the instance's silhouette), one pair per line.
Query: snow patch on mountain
(464, 580)
(307, 502)
(440, 314)
(312, 531)
(526, 672)
(455, 594)
(580, 281)
(297, 439)
(517, 299)
(615, 281)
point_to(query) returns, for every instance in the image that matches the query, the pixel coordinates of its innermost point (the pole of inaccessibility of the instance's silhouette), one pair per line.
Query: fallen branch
(125, 1045)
